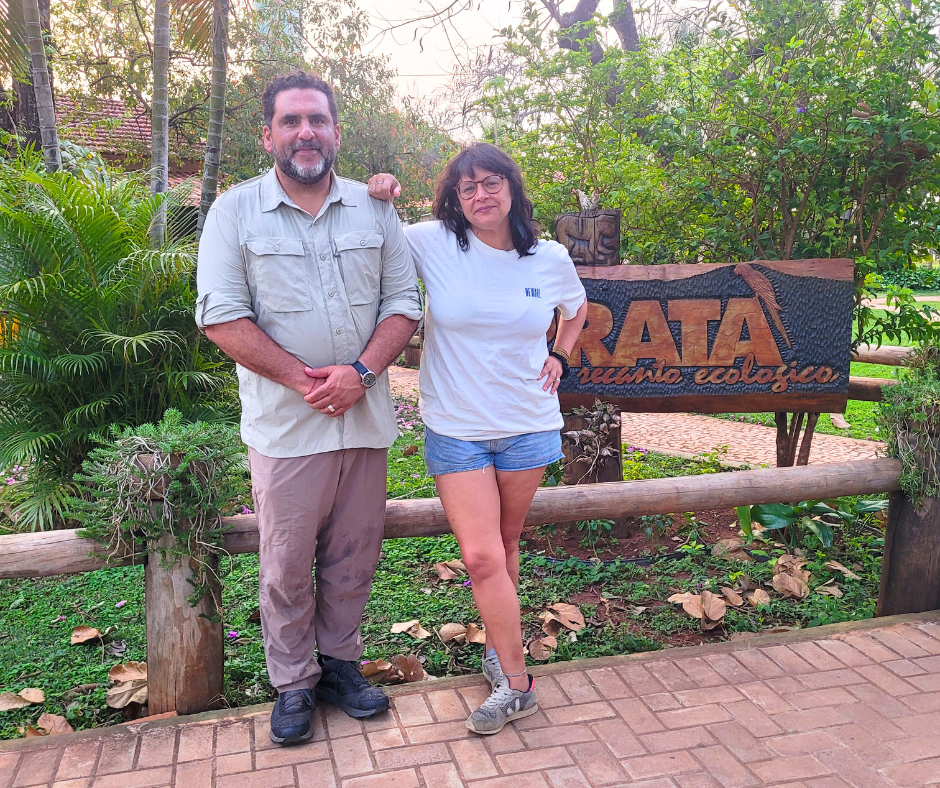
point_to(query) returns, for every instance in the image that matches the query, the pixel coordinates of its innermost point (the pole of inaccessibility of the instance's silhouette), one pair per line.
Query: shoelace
(295, 703)
(500, 695)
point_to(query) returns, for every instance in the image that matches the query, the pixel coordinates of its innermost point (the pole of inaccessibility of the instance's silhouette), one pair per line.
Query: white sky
(424, 72)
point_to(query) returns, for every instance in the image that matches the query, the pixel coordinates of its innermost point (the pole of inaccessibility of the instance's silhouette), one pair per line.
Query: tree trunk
(42, 86)
(160, 115)
(210, 175)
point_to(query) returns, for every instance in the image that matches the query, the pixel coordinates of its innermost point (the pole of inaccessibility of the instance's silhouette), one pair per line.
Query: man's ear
(337, 129)
(266, 137)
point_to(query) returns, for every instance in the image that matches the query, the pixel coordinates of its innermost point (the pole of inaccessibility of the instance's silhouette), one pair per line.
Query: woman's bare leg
(471, 500)
(481, 505)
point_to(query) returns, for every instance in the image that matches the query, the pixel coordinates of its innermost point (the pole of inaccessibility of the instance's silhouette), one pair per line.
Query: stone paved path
(690, 434)
(848, 706)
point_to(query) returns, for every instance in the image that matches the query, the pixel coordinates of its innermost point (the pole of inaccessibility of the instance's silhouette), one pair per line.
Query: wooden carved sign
(591, 237)
(746, 337)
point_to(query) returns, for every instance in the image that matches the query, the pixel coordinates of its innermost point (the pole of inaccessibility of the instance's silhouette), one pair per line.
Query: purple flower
(467, 583)
(802, 109)
(232, 634)
(246, 510)
(60, 618)
(416, 476)
(121, 603)
(11, 480)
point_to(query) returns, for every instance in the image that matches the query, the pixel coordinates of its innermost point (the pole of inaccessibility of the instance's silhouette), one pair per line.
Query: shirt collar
(273, 194)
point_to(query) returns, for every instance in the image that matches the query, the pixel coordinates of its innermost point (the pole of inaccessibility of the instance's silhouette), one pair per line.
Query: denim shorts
(516, 453)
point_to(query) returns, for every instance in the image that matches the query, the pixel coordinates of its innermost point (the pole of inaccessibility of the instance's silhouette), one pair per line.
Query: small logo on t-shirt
(533, 292)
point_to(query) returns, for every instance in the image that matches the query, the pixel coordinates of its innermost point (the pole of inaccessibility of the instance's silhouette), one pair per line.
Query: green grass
(39, 614)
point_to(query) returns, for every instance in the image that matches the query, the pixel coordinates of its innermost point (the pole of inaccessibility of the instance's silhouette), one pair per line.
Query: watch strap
(361, 368)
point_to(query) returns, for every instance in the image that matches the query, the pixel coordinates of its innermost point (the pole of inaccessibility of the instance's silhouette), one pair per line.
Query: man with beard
(306, 282)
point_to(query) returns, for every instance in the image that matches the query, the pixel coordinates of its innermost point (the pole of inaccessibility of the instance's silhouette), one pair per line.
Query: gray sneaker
(503, 705)
(491, 668)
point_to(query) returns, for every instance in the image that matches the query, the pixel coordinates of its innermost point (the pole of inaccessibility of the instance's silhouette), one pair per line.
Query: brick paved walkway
(690, 434)
(847, 706)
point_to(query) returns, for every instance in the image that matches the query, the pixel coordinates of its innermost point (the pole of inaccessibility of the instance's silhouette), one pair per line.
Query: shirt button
(277, 248)
(332, 293)
(339, 331)
(323, 257)
(362, 243)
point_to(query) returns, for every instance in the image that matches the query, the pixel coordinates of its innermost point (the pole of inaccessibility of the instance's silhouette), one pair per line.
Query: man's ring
(331, 409)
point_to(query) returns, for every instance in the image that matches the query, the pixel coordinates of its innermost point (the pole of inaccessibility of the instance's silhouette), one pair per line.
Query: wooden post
(185, 651)
(413, 352)
(788, 438)
(604, 469)
(910, 566)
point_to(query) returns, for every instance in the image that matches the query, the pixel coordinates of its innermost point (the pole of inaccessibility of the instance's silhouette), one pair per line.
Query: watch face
(368, 380)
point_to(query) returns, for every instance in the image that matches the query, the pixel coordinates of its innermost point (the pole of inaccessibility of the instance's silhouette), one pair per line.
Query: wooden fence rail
(64, 552)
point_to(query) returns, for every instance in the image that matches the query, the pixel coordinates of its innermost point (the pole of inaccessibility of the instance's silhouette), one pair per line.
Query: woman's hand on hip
(384, 186)
(551, 371)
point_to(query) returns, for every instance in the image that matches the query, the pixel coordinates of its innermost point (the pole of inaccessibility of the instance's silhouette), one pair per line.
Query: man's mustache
(302, 145)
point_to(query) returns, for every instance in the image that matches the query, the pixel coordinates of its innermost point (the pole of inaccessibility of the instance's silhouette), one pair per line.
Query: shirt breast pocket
(280, 276)
(360, 255)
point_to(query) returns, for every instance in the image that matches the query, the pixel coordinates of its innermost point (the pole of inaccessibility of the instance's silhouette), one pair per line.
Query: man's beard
(310, 174)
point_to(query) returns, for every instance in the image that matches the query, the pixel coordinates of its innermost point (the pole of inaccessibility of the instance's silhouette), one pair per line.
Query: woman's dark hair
(483, 156)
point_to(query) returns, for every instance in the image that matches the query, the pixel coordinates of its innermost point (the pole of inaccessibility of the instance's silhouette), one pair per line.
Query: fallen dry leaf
(540, 649)
(759, 597)
(412, 628)
(733, 597)
(410, 668)
(409, 451)
(829, 589)
(445, 573)
(452, 631)
(128, 671)
(30, 732)
(476, 634)
(127, 692)
(10, 700)
(714, 608)
(731, 549)
(32, 695)
(550, 626)
(84, 634)
(569, 616)
(840, 568)
(381, 672)
(53, 724)
(790, 586)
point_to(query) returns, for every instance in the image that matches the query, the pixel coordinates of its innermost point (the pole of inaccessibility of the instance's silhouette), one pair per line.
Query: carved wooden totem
(591, 237)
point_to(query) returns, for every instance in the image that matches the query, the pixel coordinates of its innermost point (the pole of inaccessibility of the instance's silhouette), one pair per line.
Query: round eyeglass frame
(481, 182)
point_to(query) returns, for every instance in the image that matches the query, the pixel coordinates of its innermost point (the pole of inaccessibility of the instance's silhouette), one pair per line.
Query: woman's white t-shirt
(484, 341)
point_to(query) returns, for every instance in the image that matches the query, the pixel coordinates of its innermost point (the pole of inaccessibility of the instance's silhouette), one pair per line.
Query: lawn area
(624, 604)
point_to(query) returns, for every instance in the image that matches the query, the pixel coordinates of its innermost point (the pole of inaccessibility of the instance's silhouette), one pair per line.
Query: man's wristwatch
(367, 376)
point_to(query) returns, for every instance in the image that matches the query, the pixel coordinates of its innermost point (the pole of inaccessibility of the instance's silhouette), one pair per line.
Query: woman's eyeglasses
(491, 185)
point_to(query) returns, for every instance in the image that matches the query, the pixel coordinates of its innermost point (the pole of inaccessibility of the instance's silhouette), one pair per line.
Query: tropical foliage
(97, 327)
(761, 130)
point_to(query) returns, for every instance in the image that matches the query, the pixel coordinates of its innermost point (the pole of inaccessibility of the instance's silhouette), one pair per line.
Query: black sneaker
(343, 685)
(292, 718)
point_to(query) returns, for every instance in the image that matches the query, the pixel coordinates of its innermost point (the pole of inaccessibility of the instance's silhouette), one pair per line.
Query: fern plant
(96, 327)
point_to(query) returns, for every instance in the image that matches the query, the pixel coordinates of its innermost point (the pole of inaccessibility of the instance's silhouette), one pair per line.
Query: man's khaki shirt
(318, 286)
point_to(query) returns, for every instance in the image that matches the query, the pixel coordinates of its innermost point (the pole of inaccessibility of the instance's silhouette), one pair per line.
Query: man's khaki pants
(329, 507)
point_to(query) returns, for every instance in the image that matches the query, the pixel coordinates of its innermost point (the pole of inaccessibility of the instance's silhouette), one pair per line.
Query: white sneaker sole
(514, 716)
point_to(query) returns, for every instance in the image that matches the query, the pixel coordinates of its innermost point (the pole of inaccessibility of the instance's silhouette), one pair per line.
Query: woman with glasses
(488, 386)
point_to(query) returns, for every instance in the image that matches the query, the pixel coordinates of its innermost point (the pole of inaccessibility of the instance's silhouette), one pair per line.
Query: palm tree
(160, 115)
(97, 327)
(42, 86)
(210, 176)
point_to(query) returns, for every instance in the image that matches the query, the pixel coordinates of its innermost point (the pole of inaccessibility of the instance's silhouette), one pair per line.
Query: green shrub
(96, 327)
